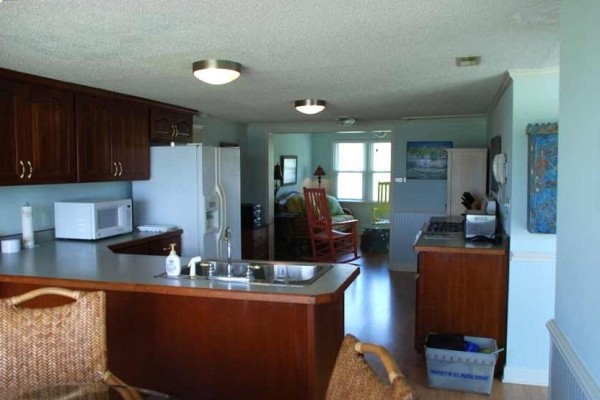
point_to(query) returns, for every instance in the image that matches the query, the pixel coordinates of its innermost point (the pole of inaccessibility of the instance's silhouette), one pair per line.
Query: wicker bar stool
(56, 345)
(353, 378)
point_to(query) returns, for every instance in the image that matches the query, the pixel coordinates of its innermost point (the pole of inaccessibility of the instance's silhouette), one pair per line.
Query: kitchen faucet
(228, 240)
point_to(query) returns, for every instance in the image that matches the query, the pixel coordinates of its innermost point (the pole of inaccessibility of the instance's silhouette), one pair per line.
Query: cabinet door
(131, 150)
(170, 126)
(467, 172)
(162, 247)
(47, 114)
(10, 169)
(94, 140)
(183, 127)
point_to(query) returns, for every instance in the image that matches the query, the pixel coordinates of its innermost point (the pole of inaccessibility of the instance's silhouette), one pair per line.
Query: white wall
(578, 233)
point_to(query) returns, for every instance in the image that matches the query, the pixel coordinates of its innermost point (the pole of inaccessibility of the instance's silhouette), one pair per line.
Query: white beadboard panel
(569, 378)
(406, 226)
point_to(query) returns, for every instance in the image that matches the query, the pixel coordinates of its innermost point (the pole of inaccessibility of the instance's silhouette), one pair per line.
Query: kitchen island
(462, 287)
(196, 338)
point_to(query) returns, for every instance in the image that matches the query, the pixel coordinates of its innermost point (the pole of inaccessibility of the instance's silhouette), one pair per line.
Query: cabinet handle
(176, 131)
(416, 277)
(173, 131)
(116, 168)
(22, 175)
(30, 170)
(120, 168)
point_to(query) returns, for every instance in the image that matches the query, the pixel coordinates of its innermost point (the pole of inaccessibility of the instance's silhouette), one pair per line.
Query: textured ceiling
(371, 59)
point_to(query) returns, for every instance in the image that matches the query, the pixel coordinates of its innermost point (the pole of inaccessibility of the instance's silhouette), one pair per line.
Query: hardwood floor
(380, 308)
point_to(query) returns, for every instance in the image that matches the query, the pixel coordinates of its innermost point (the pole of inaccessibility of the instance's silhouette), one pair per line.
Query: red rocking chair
(328, 241)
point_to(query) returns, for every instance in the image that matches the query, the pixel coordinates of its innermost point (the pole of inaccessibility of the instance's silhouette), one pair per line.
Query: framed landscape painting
(427, 160)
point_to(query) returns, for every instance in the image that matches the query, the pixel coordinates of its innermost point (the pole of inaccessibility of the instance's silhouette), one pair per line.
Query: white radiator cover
(569, 379)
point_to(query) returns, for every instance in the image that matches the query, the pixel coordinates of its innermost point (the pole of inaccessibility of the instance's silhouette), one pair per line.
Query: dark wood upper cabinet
(37, 134)
(112, 139)
(168, 126)
(9, 172)
(60, 132)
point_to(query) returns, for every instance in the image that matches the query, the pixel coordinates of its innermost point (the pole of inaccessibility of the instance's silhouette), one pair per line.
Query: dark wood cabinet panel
(155, 245)
(60, 132)
(37, 134)
(255, 243)
(112, 139)
(94, 139)
(463, 293)
(170, 126)
(48, 113)
(132, 147)
(9, 171)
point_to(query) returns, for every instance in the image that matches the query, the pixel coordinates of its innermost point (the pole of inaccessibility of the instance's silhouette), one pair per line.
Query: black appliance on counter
(251, 215)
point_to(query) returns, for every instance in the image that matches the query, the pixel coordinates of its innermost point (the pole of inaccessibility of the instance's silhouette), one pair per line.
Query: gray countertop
(442, 244)
(93, 261)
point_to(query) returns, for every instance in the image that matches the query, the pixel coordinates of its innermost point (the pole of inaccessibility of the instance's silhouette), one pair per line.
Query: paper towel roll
(27, 226)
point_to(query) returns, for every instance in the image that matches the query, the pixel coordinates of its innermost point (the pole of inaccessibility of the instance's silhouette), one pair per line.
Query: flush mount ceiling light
(468, 61)
(216, 72)
(309, 106)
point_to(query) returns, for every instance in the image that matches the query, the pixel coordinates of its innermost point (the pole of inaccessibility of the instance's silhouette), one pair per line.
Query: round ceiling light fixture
(217, 72)
(310, 106)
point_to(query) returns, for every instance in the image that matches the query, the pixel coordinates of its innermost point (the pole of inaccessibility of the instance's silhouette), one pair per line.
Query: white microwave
(91, 220)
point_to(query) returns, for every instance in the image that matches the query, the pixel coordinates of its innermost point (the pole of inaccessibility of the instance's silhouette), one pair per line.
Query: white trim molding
(529, 256)
(580, 373)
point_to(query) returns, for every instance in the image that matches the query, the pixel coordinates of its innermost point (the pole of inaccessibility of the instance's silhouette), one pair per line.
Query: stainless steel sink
(273, 274)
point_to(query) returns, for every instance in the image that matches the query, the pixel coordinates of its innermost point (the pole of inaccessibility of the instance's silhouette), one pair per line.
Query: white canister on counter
(27, 226)
(11, 245)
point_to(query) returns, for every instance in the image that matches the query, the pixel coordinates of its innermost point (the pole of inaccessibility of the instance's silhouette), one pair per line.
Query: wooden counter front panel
(203, 348)
(462, 293)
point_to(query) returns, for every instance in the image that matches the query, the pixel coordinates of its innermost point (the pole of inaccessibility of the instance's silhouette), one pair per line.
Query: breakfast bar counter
(196, 338)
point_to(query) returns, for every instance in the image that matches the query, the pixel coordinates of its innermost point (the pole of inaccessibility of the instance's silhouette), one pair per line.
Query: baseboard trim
(525, 376)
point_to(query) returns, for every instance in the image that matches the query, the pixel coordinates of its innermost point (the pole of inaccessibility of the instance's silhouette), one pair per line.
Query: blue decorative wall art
(542, 163)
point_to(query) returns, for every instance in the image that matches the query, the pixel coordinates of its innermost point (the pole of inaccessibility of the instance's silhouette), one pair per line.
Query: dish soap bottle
(173, 263)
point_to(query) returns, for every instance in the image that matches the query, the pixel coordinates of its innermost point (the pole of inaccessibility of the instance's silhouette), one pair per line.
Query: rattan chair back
(354, 379)
(49, 346)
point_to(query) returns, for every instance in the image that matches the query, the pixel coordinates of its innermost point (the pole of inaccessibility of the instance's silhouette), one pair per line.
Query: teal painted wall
(531, 96)
(500, 122)
(535, 100)
(299, 145)
(42, 198)
(211, 132)
(430, 195)
(578, 259)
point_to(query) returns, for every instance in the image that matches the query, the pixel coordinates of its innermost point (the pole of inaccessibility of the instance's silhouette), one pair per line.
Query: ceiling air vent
(468, 61)
(345, 121)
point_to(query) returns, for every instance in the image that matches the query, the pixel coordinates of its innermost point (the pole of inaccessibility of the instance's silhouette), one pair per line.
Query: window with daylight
(359, 167)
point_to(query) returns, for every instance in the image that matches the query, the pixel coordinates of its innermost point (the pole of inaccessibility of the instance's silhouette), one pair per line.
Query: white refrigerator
(195, 188)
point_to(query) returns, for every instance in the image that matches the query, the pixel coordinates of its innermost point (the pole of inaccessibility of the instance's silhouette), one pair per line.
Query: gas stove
(444, 227)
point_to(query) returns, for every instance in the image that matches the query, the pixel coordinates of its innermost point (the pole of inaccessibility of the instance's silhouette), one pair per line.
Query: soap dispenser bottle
(173, 263)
